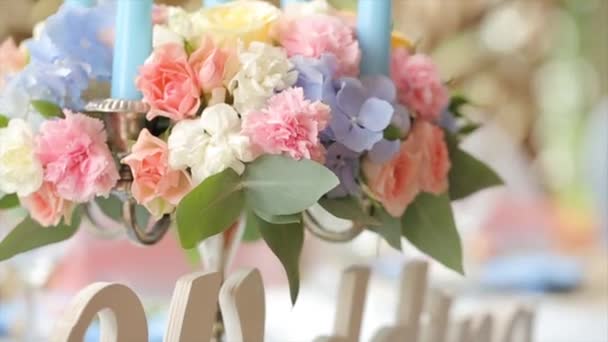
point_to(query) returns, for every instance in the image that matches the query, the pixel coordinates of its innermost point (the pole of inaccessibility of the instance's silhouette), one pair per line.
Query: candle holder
(124, 120)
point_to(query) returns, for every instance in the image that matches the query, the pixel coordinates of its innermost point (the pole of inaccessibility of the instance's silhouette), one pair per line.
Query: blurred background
(536, 72)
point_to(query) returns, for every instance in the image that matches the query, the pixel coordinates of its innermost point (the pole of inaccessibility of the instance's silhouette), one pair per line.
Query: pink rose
(289, 124)
(169, 84)
(46, 206)
(315, 35)
(208, 62)
(396, 183)
(435, 157)
(155, 185)
(12, 59)
(76, 158)
(418, 84)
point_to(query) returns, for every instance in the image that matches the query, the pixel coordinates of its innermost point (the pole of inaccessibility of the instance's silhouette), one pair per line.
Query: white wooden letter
(243, 307)
(194, 307)
(435, 329)
(120, 312)
(411, 301)
(518, 328)
(351, 305)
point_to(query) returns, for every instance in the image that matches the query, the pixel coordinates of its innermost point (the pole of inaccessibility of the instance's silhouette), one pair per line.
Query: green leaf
(252, 232)
(47, 109)
(428, 223)
(392, 133)
(344, 5)
(456, 102)
(286, 242)
(193, 256)
(9, 201)
(3, 121)
(389, 228)
(278, 185)
(111, 207)
(467, 174)
(347, 208)
(29, 235)
(469, 128)
(209, 209)
(280, 219)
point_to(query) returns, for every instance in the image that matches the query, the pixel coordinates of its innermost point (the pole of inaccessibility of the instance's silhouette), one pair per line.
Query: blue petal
(384, 151)
(350, 96)
(381, 87)
(375, 114)
(359, 139)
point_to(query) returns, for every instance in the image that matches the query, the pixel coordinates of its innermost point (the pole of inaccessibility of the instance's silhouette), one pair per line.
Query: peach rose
(209, 63)
(155, 185)
(46, 207)
(435, 157)
(169, 84)
(396, 183)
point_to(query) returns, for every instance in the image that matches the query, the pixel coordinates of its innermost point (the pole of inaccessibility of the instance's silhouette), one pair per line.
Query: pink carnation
(46, 207)
(208, 62)
(152, 177)
(289, 124)
(435, 157)
(76, 158)
(418, 84)
(169, 84)
(315, 35)
(160, 14)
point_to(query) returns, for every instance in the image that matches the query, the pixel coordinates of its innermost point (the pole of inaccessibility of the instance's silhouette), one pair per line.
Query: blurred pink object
(12, 59)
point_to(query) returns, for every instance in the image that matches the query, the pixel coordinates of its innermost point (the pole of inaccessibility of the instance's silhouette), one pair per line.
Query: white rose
(210, 144)
(264, 70)
(20, 169)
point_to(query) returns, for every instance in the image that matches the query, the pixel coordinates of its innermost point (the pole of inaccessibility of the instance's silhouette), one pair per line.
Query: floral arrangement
(256, 114)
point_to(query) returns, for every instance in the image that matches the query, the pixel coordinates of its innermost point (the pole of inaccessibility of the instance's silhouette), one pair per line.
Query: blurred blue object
(532, 272)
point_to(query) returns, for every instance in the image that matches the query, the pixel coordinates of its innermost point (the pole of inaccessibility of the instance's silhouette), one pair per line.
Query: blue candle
(374, 22)
(87, 3)
(284, 3)
(132, 46)
(211, 3)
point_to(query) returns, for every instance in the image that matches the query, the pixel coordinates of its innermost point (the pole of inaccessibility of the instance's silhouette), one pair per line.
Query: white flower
(179, 21)
(20, 169)
(264, 70)
(163, 35)
(210, 144)
(299, 9)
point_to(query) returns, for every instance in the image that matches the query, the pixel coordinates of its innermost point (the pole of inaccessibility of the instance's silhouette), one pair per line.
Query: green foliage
(277, 185)
(286, 242)
(392, 133)
(252, 232)
(9, 201)
(389, 228)
(210, 209)
(47, 109)
(467, 175)
(428, 223)
(29, 235)
(347, 208)
(3, 121)
(280, 219)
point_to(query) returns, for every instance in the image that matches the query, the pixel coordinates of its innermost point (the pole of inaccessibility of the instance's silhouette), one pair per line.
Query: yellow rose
(246, 21)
